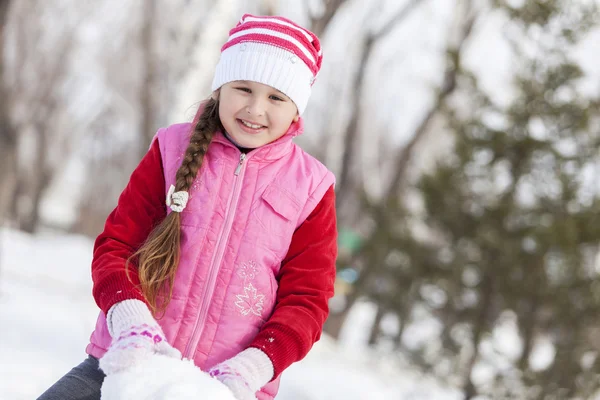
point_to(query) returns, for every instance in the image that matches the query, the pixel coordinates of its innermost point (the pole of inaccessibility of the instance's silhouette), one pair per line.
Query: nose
(256, 107)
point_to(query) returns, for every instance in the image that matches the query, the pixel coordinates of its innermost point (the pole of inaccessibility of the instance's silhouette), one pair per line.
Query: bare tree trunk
(268, 7)
(404, 313)
(448, 86)
(8, 134)
(376, 327)
(41, 181)
(479, 328)
(351, 134)
(8, 164)
(148, 84)
(344, 184)
(319, 24)
(528, 316)
(196, 85)
(403, 322)
(527, 327)
(44, 104)
(335, 321)
(18, 194)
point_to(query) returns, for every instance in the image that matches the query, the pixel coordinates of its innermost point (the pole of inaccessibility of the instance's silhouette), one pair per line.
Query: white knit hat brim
(266, 64)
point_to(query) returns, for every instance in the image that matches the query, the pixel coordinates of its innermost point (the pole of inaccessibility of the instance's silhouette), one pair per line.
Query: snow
(47, 314)
(163, 378)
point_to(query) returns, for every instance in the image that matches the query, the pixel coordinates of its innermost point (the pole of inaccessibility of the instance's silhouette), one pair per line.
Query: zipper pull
(239, 166)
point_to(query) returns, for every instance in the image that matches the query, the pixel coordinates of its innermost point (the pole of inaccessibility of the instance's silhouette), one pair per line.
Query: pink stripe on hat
(299, 41)
(274, 51)
(296, 40)
(275, 41)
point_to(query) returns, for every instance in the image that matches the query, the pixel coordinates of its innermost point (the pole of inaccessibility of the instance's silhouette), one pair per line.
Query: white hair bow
(177, 200)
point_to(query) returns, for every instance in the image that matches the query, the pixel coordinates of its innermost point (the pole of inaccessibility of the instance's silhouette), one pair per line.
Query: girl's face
(254, 114)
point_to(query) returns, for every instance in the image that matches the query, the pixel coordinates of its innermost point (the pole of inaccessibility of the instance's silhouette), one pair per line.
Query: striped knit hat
(274, 51)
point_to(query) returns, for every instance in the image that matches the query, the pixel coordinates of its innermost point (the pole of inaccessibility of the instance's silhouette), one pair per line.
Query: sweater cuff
(282, 345)
(126, 314)
(115, 289)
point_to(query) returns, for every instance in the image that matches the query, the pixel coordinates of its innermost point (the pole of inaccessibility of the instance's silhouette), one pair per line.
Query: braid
(205, 128)
(158, 258)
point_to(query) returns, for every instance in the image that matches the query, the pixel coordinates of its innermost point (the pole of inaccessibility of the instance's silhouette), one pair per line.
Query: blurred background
(464, 135)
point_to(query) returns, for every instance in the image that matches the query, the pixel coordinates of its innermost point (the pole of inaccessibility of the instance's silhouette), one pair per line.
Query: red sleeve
(141, 207)
(306, 283)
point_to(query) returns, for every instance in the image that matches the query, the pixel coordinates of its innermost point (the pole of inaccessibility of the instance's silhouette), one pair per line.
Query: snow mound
(164, 378)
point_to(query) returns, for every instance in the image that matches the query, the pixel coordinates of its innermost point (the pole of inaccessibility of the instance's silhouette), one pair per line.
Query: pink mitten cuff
(127, 313)
(135, 336)
(245, 373)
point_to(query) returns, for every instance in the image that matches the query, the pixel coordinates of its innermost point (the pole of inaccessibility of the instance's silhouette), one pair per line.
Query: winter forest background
(465, 138)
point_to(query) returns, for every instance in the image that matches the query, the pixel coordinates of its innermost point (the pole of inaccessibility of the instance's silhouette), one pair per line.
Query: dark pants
(81, 383)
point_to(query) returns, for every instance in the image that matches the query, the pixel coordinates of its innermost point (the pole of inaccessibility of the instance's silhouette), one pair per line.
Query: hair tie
(177, 200)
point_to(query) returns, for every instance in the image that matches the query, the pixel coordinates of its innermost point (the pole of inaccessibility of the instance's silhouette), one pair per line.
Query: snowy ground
(47, 314)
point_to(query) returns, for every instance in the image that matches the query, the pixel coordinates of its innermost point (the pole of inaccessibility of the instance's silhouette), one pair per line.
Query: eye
(276, 98)
(244, 89)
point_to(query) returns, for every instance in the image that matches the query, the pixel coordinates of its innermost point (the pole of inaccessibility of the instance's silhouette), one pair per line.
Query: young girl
(222, 246)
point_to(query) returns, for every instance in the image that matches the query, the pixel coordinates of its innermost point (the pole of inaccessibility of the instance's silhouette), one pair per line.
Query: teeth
(249, 125)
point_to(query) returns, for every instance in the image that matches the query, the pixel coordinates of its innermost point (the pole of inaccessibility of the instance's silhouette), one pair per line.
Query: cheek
(281, 126)
(226, 117)
(222, 113)
(226, 111)
(229, 103)
(284, 120)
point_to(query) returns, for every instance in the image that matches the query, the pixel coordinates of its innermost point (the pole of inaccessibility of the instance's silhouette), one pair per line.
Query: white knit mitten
(135, 336)
(245, 373)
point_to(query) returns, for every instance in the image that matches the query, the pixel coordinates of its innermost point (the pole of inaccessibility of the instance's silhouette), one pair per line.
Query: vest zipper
(217, 258)
(239, 167)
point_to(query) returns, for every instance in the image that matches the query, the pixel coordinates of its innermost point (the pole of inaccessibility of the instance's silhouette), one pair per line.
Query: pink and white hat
(274, 51)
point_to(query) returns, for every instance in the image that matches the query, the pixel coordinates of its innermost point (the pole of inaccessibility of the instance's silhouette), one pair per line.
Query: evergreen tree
(515, 213)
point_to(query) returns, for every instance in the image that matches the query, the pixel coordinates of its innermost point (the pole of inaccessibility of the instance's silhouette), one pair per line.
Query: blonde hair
(158, 257)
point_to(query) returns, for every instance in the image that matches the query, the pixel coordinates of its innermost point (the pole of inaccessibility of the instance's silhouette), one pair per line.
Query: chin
(247, 143)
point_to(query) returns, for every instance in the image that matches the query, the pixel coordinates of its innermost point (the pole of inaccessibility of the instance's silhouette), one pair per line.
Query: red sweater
(306, 277)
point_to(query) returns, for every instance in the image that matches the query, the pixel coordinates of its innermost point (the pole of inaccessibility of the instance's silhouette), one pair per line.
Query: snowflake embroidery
(248, 271)
(250, 302)
(196, 185)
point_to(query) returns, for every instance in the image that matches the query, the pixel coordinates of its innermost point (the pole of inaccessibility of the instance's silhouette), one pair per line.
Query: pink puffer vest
(236, 230)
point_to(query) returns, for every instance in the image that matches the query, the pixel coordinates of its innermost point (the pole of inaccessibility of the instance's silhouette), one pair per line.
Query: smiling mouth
(251, 125)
